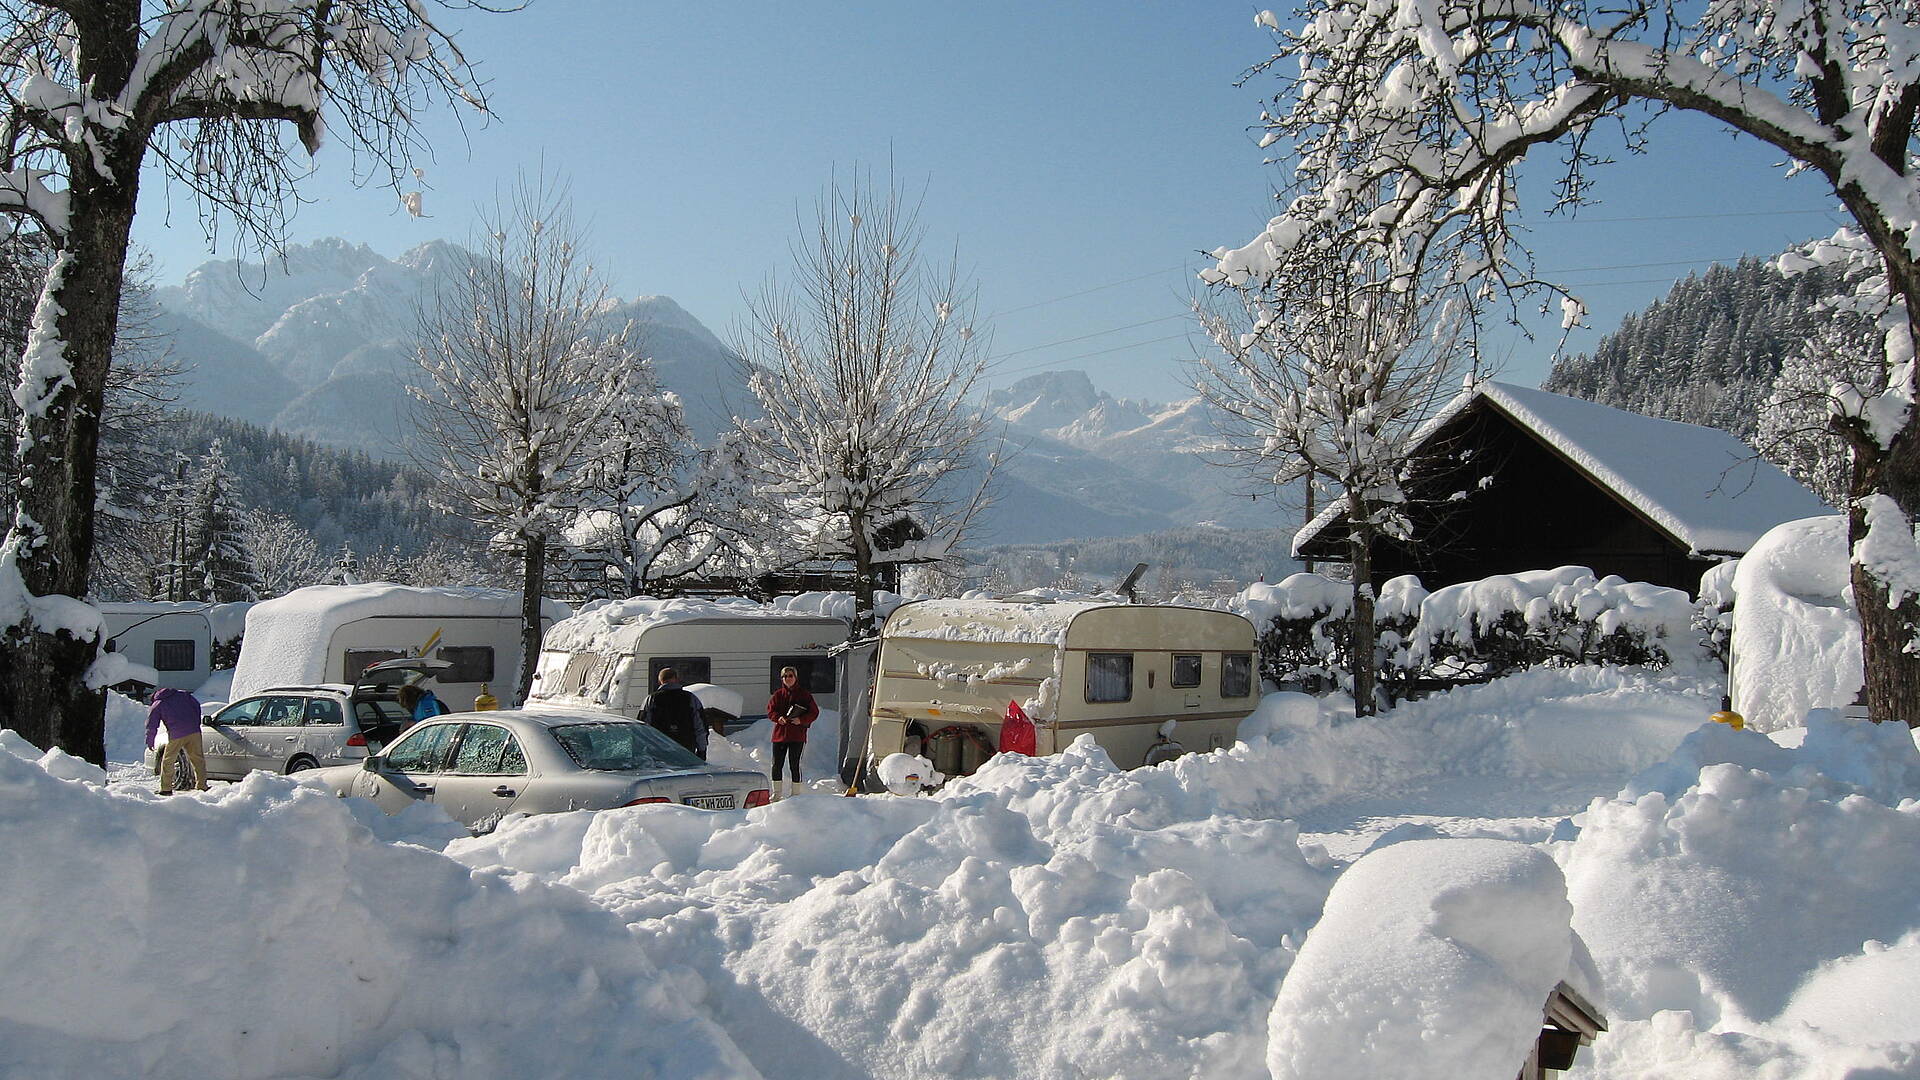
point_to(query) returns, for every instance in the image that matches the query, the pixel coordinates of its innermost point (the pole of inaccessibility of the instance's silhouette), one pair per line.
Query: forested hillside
(343, 498)
(1709, 352)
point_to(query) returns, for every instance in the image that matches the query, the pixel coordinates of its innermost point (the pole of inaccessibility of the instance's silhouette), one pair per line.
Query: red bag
(1016, 732)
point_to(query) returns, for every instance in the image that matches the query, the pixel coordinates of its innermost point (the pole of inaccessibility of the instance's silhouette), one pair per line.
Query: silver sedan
(481, 766)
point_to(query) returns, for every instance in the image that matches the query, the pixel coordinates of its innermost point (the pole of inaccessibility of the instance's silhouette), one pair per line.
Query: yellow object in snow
(485, 702)
(1731, 719)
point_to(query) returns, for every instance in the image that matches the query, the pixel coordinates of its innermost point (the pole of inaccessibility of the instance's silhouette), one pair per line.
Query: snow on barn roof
(1702, 486)
(286, 641)
(615, 626)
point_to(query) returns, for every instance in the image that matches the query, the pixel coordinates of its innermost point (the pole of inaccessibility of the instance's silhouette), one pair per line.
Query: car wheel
(182, 773)
(301, 764)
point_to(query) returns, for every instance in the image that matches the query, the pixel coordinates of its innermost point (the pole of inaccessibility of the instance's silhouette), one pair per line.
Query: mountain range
(314, 344)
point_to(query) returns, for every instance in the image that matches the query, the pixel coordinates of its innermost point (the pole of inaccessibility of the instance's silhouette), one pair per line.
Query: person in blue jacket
(421, 703)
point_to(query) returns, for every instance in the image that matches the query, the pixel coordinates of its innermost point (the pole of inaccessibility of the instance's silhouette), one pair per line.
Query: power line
(1083, 292)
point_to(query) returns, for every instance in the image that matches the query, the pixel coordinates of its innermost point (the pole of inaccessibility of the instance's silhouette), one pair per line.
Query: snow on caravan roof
(226, 621)
(1017, 622)
(1705, 488)
(287, 637)
(614, 626)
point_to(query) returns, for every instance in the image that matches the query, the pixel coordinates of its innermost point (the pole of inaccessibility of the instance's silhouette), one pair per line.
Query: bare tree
(659, 508)
(1406, 123)
(861, 366)
(1323, 371)
(285, 556)
(520, 388)
(205, 90)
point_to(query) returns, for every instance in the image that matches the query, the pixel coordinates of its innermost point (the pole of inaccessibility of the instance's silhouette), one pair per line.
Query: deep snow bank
(260, 931)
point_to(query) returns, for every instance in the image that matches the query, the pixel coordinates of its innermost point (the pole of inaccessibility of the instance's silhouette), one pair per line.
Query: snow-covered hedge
(1469, 632)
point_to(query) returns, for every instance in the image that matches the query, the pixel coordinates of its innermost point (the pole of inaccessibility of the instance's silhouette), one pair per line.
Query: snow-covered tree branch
(861, 366)
(1404, 125)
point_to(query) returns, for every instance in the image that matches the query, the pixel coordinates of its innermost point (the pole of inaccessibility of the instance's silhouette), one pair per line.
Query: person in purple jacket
(180, 712)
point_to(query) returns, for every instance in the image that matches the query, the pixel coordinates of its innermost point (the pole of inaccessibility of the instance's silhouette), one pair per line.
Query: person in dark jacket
(179, 712)
(791, 708)
(674, 712)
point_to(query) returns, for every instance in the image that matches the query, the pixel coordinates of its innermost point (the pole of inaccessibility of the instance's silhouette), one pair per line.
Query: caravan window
(816, 672)
(1109, 677)
(471, 663)
(173, 655)
(691, 669)
(1236, 675)
(359, 660)
(1186, 670)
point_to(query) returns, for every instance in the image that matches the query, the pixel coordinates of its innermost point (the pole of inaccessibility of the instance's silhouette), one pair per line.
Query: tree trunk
(43, 669)
(533, 586)
(863, 621)
(1893, 672)
(1360, 635)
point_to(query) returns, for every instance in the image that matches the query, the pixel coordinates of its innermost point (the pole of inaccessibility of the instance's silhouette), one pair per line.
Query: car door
(409, 771)
(278, 730)
(251, 728)
(484, 777)
(320, 736)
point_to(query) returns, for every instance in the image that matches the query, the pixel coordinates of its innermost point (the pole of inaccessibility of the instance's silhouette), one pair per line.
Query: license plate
(710, 802)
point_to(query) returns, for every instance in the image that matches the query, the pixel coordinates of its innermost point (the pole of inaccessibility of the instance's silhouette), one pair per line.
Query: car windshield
(618, 747)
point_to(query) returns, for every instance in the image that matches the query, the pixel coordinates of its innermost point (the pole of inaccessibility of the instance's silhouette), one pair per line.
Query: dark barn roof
(1510, 478)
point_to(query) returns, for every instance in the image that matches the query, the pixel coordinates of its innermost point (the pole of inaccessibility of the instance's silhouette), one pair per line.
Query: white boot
(779, 790)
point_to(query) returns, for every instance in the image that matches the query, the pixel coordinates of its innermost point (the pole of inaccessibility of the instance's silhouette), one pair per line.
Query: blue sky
(1079, 156)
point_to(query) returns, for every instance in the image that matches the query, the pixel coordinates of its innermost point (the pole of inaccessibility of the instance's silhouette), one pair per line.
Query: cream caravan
(947, 670)
(329, 634)
(176, 640)
(609, 655)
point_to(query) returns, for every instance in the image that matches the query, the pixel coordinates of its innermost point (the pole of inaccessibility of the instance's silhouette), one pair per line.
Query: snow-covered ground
(1331, 897)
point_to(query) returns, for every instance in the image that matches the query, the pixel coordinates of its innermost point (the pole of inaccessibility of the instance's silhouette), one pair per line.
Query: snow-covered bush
(1470, 632)
(1499, 625)
(1302, 623)
(1713, 612)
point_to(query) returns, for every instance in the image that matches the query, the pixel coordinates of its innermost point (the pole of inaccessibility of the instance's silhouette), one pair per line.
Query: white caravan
(609, 655)
(1147, 681)
(176, 640)
(329, 634)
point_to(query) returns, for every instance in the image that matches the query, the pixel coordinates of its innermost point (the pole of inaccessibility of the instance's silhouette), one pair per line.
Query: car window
(323, 711)
(617, 747)
(487, 750)
(423, 749)
(240, 713)
(278, 712)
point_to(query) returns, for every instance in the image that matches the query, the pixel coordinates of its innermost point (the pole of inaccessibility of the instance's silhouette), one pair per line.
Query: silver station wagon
(289, 729)
(480, 766)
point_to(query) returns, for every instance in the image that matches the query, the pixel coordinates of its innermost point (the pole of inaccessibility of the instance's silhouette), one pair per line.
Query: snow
(1332, 896)
(1476, 934)
(287, 637)
(613, 627)
(1013, 621)
(1796, 639)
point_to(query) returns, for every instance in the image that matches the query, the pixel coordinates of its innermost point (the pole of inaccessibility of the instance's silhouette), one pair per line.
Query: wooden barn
(1508, 478)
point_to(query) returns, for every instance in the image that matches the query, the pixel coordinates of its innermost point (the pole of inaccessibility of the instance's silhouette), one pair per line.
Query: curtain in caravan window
(1109, 677)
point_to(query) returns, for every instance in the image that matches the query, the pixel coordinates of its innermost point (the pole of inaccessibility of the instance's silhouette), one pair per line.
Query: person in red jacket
(791, 708)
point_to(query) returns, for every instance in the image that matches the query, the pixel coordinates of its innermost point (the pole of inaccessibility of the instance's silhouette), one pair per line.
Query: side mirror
(374, 762)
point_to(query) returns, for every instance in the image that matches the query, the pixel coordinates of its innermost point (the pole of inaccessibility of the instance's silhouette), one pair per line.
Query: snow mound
(1796, 639)
(1433, 958)
(259, 931)
(965, 935)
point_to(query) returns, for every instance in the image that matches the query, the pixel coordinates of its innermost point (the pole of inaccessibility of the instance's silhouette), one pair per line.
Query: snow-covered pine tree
(219, 568)
(861, 369)
(1407, 124)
